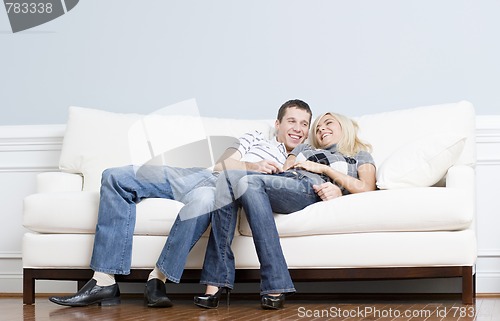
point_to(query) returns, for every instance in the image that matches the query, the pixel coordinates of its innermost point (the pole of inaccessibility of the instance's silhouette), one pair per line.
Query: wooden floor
(132, 309)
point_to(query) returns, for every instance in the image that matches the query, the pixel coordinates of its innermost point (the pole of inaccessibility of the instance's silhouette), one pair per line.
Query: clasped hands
(325, 191)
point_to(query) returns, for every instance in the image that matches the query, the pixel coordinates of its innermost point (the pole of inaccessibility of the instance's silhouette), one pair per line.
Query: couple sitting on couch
(263, 176)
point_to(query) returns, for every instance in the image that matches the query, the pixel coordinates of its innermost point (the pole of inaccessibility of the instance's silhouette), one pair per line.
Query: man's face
(293, 128)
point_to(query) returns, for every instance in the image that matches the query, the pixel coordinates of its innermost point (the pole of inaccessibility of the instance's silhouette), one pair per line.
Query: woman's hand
(311, 167)
(327, 191)
(290, 161)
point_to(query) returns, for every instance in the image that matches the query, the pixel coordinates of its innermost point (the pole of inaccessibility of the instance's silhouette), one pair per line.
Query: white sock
(104, 279)
(157, 274)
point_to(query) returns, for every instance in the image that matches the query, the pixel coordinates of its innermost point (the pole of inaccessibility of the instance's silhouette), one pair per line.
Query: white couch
(420, 224)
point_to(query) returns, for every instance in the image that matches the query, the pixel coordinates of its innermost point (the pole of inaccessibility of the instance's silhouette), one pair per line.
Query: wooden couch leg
(80, 284)
(468, 285)
(28, 287)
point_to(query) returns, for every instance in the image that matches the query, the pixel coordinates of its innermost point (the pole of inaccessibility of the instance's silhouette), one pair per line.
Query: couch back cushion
(415, 147)
(389, 131)
(95, 140)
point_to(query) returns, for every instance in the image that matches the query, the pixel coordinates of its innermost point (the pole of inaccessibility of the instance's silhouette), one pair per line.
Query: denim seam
(289, 290)
(125, 245)
(169, 277)
(161, 260)
(216, 284)
(225, 247)
(109, 271)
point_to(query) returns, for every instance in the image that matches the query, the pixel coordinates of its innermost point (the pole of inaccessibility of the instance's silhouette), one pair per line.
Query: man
(122, 188)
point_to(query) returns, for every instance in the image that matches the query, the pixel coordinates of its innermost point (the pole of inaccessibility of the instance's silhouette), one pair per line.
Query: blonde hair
(349, 144)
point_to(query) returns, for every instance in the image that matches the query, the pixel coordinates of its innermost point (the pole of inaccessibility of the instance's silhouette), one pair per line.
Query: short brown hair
(297, 103)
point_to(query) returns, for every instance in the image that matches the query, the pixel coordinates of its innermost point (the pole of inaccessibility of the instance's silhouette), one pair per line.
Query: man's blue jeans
(260, 195)
(123, 187)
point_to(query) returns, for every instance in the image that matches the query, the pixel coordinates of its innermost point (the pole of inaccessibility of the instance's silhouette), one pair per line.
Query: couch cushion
(58, 251)
(398, 249)
(409, 209)
(76, 212)
(422, 162)
(95, 140)
(342, 250)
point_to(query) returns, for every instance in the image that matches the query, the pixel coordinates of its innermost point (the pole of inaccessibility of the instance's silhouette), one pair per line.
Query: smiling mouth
(325, 135)
(295, 137)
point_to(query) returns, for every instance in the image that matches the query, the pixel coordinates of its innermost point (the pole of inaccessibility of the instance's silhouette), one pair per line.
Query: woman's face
(328, 131)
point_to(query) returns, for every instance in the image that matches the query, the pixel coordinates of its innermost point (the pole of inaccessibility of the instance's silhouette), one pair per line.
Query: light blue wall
(244, 58)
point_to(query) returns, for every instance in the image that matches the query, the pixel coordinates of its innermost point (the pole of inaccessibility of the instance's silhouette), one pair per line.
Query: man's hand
(264, 166)
(327, 191)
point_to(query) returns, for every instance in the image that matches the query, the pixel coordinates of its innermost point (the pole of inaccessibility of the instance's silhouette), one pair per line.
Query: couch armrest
(464, 177)
(461, 176)
(58, 182)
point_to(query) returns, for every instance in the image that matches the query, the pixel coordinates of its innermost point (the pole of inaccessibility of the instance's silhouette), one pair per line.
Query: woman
(338, 163)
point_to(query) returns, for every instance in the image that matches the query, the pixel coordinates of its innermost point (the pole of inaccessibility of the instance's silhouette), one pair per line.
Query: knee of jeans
(250, 182)
(203, 196)
(206, 195)
(112, 175)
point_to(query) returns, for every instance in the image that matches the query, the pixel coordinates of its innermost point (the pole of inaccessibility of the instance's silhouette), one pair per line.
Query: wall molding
(27, 169)
(487, 137)
(31, 137)
(10, 255)
(489, 253)
(30, 149)
(487, 129)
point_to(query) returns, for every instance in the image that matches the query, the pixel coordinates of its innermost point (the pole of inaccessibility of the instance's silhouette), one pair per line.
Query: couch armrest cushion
(420, 163)
(461, 176)
(50, 182)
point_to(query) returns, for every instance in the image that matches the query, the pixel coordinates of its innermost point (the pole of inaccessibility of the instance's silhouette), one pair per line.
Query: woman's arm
(365, 182)
(290, 161)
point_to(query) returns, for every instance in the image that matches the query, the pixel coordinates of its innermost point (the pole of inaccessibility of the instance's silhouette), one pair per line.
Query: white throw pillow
(420, 163)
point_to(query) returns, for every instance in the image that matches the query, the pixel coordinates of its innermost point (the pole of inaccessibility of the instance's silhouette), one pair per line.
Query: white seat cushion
(76, 212)
(410, 209)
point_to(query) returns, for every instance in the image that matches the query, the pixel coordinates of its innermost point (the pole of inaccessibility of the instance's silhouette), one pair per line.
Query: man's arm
(231, 160)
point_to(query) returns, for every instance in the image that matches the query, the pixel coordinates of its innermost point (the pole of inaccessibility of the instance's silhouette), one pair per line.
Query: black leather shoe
(90, 294)
(269, 302)
(155, 294)
(211, 301)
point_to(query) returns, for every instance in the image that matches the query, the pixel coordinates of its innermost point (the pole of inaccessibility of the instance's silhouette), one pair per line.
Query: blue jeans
(123, 187)
(218, 267)
(260, 195)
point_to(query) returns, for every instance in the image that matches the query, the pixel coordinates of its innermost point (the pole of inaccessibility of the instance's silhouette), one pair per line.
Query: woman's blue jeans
(123, 187)
(260, 195)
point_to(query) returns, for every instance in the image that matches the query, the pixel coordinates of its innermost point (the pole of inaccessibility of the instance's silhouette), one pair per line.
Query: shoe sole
(107, 302)
(205, 306)
(158, 304)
